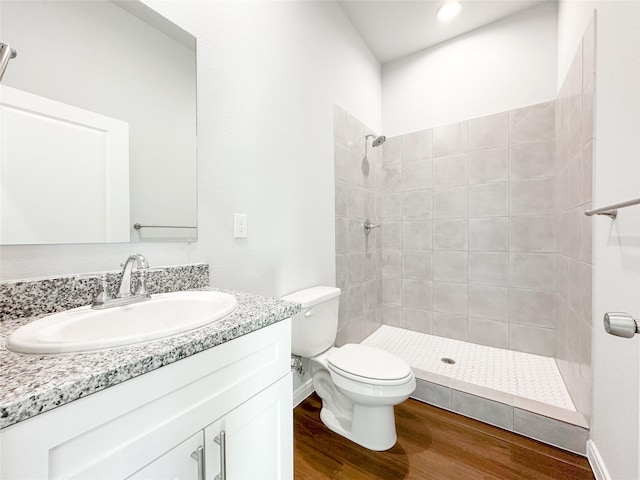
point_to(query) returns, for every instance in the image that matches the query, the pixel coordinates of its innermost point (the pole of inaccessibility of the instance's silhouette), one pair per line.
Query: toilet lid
(368, 363)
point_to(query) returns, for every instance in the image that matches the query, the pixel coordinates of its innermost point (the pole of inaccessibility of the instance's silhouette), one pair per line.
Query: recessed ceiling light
(448, 11)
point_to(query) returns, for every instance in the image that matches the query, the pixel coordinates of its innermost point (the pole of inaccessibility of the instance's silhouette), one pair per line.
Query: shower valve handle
(368, 226)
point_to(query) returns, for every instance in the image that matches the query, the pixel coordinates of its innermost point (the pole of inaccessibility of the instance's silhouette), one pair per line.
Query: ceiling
(395, 28)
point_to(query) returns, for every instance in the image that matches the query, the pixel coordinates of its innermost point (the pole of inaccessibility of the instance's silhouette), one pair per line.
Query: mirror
(97, 123)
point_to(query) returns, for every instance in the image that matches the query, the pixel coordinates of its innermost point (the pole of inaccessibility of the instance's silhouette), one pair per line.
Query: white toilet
(359, 385)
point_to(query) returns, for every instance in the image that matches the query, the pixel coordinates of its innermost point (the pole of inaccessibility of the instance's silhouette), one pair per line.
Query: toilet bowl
(359, 385)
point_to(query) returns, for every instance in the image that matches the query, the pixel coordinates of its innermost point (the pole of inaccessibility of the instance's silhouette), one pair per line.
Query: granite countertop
(34, 384)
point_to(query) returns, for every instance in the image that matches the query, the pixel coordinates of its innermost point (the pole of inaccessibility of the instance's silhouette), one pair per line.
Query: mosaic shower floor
(522, 374)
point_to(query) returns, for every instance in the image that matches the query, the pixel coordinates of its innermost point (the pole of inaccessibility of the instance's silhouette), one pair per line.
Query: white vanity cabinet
(149, 427)
(177, 464)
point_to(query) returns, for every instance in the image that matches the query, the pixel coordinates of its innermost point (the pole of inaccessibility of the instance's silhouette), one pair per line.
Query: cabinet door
(176, 464)
(258, 437)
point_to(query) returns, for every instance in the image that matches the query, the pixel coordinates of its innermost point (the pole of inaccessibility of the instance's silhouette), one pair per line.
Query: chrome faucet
(124, 288)
(125, 295)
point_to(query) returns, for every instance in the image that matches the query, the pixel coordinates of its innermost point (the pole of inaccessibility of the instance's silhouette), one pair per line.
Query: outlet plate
(240, 225)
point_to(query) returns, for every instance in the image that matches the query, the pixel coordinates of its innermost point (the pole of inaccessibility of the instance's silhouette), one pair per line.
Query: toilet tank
(314, 328)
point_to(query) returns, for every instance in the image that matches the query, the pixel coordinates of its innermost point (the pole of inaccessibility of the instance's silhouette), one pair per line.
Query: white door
(177, 464)
(64, 172)
(258, 437)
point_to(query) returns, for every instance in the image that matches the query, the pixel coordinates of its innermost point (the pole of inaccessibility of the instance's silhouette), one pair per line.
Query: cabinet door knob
(198, 456)
(620, 324)
(222, 441)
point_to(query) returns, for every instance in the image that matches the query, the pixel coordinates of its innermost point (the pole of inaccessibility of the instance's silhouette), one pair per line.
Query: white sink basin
(84, 330)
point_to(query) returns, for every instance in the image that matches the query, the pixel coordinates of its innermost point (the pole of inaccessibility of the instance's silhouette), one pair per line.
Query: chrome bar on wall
(138, 226)
(7, 52)
(612, 210)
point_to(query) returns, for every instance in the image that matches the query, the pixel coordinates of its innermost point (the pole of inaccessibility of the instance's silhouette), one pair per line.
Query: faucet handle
(102, 296)
(142, 278)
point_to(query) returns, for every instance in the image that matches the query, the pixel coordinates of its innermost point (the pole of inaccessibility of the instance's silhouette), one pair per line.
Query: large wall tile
(489, 234)
(536, 122)
(355, 266)
(392, 207)
(450, 266)
(529, 339)
(417, 235)
(488, 411)
(392, 150)
(417, 294)
(452, 298)
(450, 139)
(533, 307)
(356, 240)
(450, 202)
(488, 301)
(487, 166)
(489, 200)
(392, 234)
(417, 205)
(433, 394)
(392, 315)
(355, 197)
(534, 233)
(341, 199)
(533, 159)
(492, 333)
(489, 268)
(451, 326)
(416, 146)
(342, 270)
(417, 265)
(450, 234)
(566, 436)
(532, 270)
(392, 178)
(417, 175)
(417, 320)
(391, 262)
(355, 306)
(341, 235)
(450, 171)
(534, 197)
(489, 132)
(392, 291)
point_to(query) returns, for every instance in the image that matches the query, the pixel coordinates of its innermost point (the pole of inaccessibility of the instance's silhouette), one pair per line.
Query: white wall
(268, 75)
(615, 428)
(508, 64)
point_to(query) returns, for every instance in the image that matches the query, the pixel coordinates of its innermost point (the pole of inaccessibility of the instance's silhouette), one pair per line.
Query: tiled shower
(468, 248)
(483, 237)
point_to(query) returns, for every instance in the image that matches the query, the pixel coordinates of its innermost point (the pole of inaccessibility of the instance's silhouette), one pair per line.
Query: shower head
(7, 52)
(377, 141)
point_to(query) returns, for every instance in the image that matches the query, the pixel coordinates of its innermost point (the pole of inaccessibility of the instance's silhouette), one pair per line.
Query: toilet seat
(369, 365)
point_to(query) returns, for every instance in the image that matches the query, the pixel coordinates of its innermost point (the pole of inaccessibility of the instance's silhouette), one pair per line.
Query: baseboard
(302, 392)
(597, 464)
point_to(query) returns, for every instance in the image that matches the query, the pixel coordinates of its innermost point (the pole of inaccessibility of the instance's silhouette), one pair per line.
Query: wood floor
(432, 444)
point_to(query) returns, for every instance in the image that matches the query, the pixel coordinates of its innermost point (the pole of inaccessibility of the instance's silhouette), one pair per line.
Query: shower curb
(548, 424)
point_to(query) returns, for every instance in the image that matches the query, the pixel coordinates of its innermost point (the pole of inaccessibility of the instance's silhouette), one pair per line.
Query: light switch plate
(240, 225)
